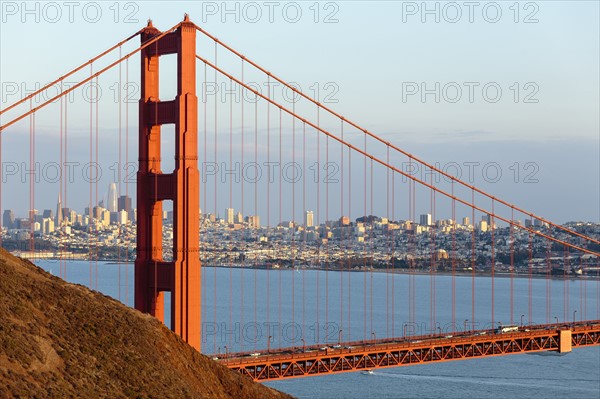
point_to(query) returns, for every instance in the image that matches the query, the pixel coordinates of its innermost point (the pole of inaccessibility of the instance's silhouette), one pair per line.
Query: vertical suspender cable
(364, 250)
(349, 238)
(566, 266)
(293, 219)
(280, 215)
(65, 156)
(413, 298)
(372, 245)
(317, 229)
(31, 172)
(410, 255)
(215, 198)
(61, 182)
(64, 198)
(393, 254)
(119, 166)
(433, 261)
(269, 206)
(453, 260)
(327, 231)
(493, 260)
(582, 293)
(91, 259)
(231, 207)
(97, 166)
(548, 275)
(530, 290)
(242, 143)
(254, 225)
(341, 262)
(390, 253)
(412, 247)
(512, 266)
(304, 231)
(130, 213)
(473, 264)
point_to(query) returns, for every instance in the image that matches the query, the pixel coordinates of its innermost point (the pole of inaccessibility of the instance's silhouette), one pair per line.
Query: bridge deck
(365, 355)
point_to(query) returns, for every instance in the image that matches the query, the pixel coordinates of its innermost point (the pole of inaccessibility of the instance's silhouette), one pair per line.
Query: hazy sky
(500, 82)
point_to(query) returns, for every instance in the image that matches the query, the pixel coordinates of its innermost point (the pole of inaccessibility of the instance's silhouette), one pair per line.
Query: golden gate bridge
(361, 172)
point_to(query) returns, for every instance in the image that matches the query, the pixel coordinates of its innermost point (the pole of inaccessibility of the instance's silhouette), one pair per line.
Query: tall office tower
(229, 215)
(124, 203)
(59, 214)
(466, 221)
(239, 218)
(8, 219)
(425, 220)
(47, 226)
(484, 226)
(122, 216)
(112, 204)
(308, 219)
(253, 221)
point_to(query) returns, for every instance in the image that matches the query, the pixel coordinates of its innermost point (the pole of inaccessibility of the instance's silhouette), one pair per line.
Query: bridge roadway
(307, 361)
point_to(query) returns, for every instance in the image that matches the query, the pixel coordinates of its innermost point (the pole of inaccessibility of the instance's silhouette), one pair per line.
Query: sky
(514, 85)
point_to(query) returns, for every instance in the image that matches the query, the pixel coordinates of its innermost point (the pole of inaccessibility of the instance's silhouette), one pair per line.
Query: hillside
(63, 340)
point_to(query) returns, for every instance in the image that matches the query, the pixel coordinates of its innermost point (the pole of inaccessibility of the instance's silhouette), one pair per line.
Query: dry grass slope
(62, 340)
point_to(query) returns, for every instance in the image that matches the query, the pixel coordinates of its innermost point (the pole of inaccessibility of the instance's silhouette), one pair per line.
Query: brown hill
(63, 340)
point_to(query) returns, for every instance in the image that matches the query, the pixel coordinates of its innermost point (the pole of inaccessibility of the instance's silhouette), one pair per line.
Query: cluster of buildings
(116, 210)
(107, 231)
(370, 242)
(237, 221)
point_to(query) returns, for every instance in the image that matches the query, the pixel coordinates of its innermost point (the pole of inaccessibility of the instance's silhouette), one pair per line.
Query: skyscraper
(8, 219)
(59, 214)
(308, 219)
(111, 200)
(425, 219)
(47, 226)
(253, 221)
(229, 215)
(124, 203)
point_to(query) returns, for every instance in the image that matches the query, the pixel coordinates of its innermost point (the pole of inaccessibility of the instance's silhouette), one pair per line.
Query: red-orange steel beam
(374, 136)
(384, 163)
(100, 72)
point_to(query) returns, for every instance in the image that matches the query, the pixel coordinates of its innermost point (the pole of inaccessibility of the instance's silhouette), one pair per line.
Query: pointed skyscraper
(59, 215)
(111, 200)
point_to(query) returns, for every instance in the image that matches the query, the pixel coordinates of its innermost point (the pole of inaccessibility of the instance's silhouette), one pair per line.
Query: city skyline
(123, 213)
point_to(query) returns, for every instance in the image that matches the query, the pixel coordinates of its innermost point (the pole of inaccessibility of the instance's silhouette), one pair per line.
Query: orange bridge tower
(154, 276)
